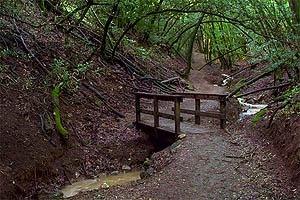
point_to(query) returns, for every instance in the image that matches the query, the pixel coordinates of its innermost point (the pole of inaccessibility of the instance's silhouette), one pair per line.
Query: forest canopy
(225, 31)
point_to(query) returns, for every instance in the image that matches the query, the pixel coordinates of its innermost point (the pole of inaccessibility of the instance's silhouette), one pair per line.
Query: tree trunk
(42, 5)
(295, 7)
(190, 49)
(147, 33)
(107, 24)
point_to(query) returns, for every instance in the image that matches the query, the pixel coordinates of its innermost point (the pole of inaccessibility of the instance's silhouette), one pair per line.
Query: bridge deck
(186, 127)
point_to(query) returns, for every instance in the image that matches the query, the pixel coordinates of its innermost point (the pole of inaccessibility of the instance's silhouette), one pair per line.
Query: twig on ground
(79, 138)
(170, 80)
(27, 49)
(101, 97)
(233, 156)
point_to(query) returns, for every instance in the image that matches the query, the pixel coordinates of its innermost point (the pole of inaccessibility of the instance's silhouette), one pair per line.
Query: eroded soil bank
(33, 163)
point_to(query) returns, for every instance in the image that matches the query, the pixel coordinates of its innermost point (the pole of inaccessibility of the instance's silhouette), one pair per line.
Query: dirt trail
(210, 165)
(197, 78)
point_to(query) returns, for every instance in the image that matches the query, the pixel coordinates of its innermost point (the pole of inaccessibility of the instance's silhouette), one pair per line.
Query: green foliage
(146, 163)
(259, 115)
(140, 51)
(259, 31)
(61, 73)
(292, 98)
(9, 52)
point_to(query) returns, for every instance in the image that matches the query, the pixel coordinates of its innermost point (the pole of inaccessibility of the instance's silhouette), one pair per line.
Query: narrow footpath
(209, 165)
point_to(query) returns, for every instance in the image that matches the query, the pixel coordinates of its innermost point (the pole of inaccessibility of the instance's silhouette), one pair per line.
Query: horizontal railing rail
(213, 114)
(177, 98)
(155, 112)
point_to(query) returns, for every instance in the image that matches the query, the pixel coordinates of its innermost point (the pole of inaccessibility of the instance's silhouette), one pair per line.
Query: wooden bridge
(165, 132)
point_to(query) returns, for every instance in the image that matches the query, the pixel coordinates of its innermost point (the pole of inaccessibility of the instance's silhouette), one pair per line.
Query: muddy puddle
(102, 182)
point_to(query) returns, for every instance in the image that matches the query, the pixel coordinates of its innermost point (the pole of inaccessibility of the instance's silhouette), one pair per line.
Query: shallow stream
(250, 109)
(102, 182)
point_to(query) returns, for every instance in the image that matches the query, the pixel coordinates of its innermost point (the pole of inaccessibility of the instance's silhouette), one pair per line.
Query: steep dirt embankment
(34, 159)
(285, 136)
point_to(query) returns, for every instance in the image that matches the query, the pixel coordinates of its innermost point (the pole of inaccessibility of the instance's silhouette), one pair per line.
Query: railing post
(137, 108)
(197, 108)
(156, 115)
(177, 115)
(223, 111)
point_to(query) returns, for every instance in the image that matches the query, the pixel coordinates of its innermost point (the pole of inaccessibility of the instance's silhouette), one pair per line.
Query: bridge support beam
(177, 115)
(197, 108)
(223, 111)
(156, 112)
(137, 108)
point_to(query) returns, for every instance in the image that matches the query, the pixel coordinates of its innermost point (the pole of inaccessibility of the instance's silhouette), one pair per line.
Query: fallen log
(243, 69)
(264, 89)
(249, 83)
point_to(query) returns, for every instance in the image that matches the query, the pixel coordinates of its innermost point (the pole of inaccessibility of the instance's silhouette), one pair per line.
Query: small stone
(126, 167)
(150, 171)
(181, 136)
(104, 186)
(174, 146)
(77, 174)
(154, 155)
(130, 126)
(115, 173)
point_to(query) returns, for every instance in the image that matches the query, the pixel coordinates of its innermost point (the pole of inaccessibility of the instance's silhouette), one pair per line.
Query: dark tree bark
(190, 48)
(295, 7)
(107, 25)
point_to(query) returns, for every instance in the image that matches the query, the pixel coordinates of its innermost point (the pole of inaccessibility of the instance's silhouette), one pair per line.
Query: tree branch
(264, 89)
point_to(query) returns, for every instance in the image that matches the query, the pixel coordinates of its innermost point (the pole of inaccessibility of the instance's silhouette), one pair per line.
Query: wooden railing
(177, 98)
(155, 112)
(198, 113)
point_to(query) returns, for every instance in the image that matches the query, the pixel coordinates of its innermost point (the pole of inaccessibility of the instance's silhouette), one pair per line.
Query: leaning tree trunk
(107, 25)
(188, 68)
